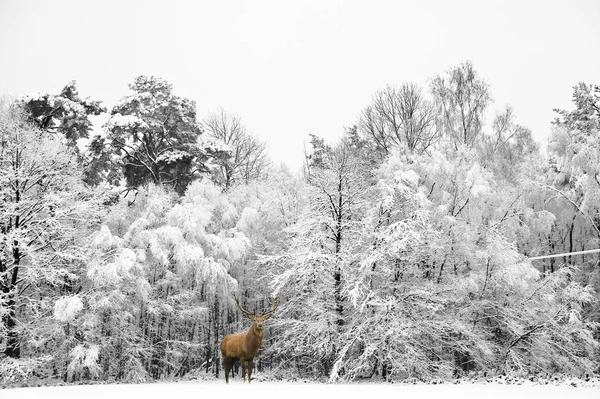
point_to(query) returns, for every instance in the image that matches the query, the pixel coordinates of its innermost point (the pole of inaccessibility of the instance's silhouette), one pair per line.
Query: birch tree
(461, 98)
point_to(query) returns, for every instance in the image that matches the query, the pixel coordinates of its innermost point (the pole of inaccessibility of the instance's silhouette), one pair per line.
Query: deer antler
(274, 304)
(237, 302)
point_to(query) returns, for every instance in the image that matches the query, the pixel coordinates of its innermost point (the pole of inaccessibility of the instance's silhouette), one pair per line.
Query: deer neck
(255, 336)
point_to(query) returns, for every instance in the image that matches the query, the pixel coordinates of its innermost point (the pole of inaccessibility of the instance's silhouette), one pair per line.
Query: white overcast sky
(290, 68)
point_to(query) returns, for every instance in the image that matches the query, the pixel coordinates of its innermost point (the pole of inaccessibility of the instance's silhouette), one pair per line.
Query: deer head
(259, 319)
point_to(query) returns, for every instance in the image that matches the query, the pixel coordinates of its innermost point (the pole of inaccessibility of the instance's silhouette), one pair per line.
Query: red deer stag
(243, 347)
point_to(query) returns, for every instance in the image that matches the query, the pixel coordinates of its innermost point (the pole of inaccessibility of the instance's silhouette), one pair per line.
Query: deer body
(244, 346)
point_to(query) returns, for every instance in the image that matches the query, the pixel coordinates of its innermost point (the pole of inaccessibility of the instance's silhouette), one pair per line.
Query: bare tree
(400, 117)
(508, 140)
(461, 98)
(248, 160)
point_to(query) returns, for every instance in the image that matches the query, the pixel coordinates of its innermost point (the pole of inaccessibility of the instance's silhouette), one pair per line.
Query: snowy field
(272, 390)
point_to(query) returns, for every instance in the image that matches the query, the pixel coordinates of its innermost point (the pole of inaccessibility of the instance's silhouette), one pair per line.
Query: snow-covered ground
(300, 390)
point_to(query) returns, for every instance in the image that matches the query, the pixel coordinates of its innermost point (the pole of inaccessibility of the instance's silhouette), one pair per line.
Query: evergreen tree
(66, 113)
(157, 138)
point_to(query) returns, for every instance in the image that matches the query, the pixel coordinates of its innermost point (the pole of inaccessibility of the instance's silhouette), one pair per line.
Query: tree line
(400, 251)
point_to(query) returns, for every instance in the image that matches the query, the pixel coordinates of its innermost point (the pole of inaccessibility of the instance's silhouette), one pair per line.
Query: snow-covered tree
(66, 113)
(45, 214)
(575, 144)
(162, 280)
(248, 156)
(573, 184)
(441, 289)
(310, 273)
(462, 98)
(157, 138)
(508, 146)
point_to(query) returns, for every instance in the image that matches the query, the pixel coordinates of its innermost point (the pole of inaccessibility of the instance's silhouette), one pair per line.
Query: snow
(66, 308)
(299, 390)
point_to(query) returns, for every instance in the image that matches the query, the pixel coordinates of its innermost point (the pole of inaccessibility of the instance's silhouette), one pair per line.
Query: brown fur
(242, 347)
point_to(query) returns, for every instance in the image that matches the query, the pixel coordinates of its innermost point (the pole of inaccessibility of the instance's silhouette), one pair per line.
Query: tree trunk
(339, 306)
(13, 348)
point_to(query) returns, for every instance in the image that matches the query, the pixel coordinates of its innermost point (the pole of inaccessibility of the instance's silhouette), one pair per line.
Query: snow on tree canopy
(478, 180)
(67, 308)
(84, 357)
(408, 178)
(124, 260)
(103, 239)
(125, 122)
(248, 219)
(173, 156)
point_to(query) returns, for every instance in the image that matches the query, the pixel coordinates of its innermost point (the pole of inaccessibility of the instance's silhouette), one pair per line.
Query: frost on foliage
(519, 275)
(408, 178)
(197, 209)
(15, 370)
(125, 122)
(157, 205)
(188, 257)
(216, 276)
(143, 289)
(591, 188)
(507, 267)
(541, 221)
(387, 196)
(173, 156)
(574, 317)
(104, 240)
(191, 219)
(213, 145)
(576, 293)
(67, 308)
(106, 274)
(162, 241)
(202, 193)
(84, 357)
(232, 246)
(229, 215)
(248, 219)
(478, 180)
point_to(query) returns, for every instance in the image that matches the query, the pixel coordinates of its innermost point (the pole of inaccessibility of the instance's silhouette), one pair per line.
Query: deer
(244, 346)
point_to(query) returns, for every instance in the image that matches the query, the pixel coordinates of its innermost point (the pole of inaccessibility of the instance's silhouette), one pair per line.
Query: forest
(401, 251)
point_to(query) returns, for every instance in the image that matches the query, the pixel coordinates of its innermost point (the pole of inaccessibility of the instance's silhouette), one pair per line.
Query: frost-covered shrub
(84, 360)
(14, 371)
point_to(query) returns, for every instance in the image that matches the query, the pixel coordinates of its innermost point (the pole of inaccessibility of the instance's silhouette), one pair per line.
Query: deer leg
(243, 363)
(227, 366)
(249, 369)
